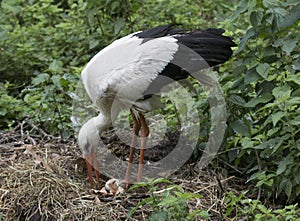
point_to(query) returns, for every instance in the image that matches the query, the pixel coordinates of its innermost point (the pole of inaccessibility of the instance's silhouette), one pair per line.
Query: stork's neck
(89, 133)
(101, 122)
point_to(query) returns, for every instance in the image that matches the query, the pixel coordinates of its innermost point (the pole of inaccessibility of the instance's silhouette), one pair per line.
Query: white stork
(135, 62)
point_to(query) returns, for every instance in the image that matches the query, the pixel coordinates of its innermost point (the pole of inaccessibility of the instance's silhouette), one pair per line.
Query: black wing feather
(160, 31)
(213, 48)
(210, 44)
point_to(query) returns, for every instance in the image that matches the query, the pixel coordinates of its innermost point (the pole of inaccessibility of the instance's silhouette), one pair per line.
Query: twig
(37, 158)
(232, 167)
(163, 190)
(259, 168)
(38, 129)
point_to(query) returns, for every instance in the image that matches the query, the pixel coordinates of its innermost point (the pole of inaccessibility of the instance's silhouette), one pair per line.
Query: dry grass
(46, 180)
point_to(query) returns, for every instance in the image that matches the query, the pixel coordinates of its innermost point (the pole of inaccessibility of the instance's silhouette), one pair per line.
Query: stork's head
(89, 134)
(88, 137)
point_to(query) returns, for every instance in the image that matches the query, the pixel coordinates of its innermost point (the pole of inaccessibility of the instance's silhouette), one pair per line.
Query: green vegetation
(45, 44)
(263, 96)
(169, 204)
(241, 206)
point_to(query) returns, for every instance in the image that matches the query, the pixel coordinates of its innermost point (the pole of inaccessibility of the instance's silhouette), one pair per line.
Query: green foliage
(11, 107)
(44, 45)
(169, 204)
(185, 12)
(240, 207)
(264, 96)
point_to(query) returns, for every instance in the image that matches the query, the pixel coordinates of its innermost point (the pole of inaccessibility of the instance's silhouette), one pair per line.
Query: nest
(46, 179)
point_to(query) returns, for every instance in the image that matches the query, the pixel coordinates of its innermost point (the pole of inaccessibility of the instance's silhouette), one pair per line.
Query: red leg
(144, 135)
(136, 128)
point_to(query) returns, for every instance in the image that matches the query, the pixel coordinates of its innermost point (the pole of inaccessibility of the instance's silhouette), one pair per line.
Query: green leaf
(264, 98)
(246, 142)
(251, 76)
(115, 5)
(271, 145)
(269, 19)
(286, 185)
(239, 127)
(255, 18)
(266, 87)
(270, 3)
(261, 146)
(277, 117)
(295, 78)
(118, 25)
(250, 33)
(297, 176)
(268, 51)
(27, 98)
(295, 121)
(168, 201)
(296, 65)
(280, 11)
(278, 43)
(238, 100)
(56, 79)
(263, 69)
(242, 7)
(294, 100)
(289, 45)
(283, 163)
(41, 78)
(11, 5)
(291, 18)
(257, 176)
(3, 111)
(289, 3)
(282, 93)
(160, 180)
(55, 65)
(160, 215)
(93, 43)
(273, 131)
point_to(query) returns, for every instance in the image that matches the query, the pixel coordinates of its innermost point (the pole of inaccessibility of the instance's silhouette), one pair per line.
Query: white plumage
(119, 75)
(126, 60)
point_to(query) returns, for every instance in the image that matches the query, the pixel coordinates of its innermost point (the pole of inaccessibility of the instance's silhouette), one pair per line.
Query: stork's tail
(210, 44)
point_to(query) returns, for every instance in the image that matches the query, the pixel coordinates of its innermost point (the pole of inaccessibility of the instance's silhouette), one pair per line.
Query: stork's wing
(127, 67)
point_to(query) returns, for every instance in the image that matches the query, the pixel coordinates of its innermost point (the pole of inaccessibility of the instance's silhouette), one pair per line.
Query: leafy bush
(240, 207)
(264, 96)
(169, 204)
(11, 107)
(44, 46)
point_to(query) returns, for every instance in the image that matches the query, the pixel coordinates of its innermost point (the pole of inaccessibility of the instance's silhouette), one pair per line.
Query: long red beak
(92, 163)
